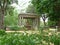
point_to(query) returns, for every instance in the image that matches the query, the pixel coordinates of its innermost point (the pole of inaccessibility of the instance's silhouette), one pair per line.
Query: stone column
(33, 24)
(37, 20)
(19, 21)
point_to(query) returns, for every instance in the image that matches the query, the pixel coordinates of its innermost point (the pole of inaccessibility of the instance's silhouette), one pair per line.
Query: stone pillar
(33, 24)
(38, 22)
(37, 25)
(19, 21)
(22, 22)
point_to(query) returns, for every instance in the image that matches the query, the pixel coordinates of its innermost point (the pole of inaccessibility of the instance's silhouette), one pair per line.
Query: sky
(22, 5)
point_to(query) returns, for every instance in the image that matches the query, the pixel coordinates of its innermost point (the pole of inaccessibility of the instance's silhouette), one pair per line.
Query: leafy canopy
(52, 7)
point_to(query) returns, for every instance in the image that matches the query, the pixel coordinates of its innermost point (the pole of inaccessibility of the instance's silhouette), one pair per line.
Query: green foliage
(41, 6)
(30, 9)
(52, 23)
(11, 19)
(2, 32)
(55, 39)
(16, 39)
(52, 7)
(5, 6)
(43, 38)
(16, 28)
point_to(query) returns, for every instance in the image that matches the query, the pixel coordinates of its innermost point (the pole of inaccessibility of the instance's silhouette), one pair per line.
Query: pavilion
(29, 20)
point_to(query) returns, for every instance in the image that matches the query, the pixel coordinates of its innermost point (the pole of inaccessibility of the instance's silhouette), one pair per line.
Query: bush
(55, 39)
(14, 28)
(16, 39)
(2, 32)
(17, 28)
(29, 39)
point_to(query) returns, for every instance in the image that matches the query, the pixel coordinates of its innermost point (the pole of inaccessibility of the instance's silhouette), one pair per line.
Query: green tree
(55, 16)
(4, 7)
(52, 7)
(11, 19)
(30, 9)
(41, 8)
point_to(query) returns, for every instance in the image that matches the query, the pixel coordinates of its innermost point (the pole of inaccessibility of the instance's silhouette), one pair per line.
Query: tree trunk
(58, 25)
(57, 11)
(44, 23)
(2, 18)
